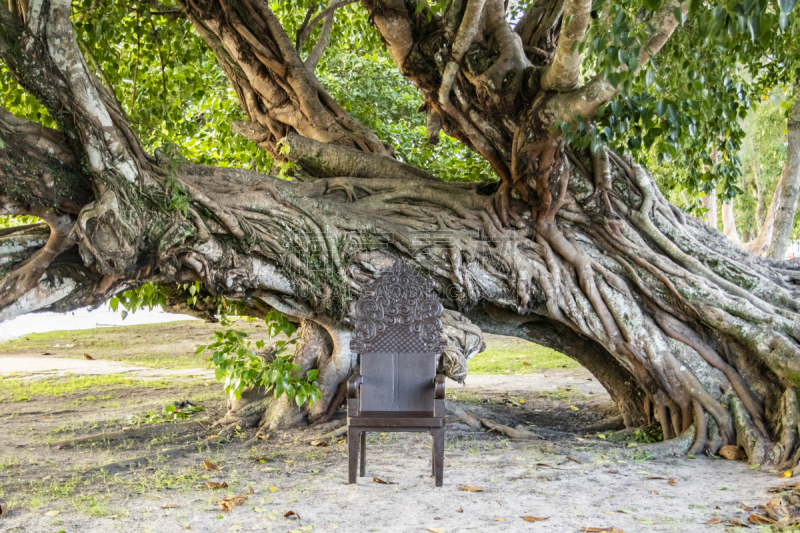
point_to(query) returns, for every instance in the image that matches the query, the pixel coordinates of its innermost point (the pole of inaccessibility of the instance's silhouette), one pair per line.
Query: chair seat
(423, 419)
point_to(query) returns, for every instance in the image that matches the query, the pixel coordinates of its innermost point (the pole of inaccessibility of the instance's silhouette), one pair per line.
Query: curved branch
(44, 57)
(305, 30)
(326, 160)
(585, 100)
(564, 72)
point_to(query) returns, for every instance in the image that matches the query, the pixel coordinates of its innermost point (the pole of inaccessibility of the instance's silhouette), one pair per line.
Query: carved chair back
(398, 334)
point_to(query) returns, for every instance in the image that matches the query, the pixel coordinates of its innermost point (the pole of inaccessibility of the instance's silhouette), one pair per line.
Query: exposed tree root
(466, 417)
(516, 434)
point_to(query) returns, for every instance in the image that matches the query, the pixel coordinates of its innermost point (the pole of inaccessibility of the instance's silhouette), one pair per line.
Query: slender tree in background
(570, 243)
(776, 223)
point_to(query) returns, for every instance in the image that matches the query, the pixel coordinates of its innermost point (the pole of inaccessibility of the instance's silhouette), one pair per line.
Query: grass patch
(18, 390)
(513, 356)
(165, 345)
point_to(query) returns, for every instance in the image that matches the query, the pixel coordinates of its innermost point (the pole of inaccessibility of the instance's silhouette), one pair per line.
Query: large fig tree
(571, 244)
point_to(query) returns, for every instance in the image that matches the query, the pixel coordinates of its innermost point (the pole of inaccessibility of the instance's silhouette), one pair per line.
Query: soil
(574, 478)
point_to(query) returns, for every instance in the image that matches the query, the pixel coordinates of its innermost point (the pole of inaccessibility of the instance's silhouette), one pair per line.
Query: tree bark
(775, 227)
(575, 250)
(729, 228)
(710, 204)
(789, 184)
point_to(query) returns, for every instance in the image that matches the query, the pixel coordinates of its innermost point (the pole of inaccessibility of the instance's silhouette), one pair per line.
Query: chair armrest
(439, 390)
(353, 385)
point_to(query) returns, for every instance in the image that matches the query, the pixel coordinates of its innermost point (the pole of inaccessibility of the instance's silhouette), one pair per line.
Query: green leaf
(652, 5)
(649, 77)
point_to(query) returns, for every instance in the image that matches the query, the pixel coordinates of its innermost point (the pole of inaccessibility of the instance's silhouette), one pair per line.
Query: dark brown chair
(398, 336)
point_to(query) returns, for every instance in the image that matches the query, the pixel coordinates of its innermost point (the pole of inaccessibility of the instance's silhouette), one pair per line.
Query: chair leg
(438, 453)
(433, 458)
(363, 453)
(353, 435)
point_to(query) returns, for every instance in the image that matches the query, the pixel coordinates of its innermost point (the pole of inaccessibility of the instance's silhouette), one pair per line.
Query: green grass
(17, 390)
(166, 345)
(511, 356)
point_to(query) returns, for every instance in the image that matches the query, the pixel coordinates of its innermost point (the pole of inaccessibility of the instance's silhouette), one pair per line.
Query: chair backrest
(398, 335)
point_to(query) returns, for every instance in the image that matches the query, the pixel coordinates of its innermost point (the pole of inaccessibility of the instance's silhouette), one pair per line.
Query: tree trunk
(789, 184)
(761, 197)
(575, 250)
(729, 222)
(710, 204)
(775, 228)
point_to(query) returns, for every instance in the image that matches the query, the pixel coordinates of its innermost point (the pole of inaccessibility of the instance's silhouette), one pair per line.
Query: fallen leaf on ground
(499, 519)
(52, 513)
(289, 514)
(227, 504)
(87, 356)
(435, 530)
(544, 464)
(788, 473)
(467, 488)
(460, 509)
(273, 489)
(379, 480)
(318, 443)
(263, 459)
(213, 485)
(759, 519)
(534, 518)
(714, 521)
(783, 487)
(170, 506)
(673, 482)
(250, 489)
(601, 529)
(208, 465)
(264, 436)
(656, 477)
(731, 452)
(746, 508)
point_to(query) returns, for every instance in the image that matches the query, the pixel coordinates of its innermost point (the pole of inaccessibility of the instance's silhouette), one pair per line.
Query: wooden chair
(398, 336)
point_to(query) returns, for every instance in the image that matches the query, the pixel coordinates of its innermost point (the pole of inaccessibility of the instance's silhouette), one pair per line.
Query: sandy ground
(574, 478)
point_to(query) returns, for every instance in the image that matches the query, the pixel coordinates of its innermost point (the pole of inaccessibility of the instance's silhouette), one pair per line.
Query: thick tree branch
(564, 72)
(44, 57)
(585, 100)
(325, 160)
(274, 86)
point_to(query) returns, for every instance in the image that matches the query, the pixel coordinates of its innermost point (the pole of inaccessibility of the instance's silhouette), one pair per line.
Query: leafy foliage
(151, 295)
(168, 413)
(237, 362)
(11, 221)
(370, 87)
(685, 107)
